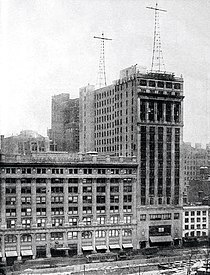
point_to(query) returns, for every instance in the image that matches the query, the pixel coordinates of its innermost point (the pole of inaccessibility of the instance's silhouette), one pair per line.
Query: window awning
(11, 253)
(101, 247)
(114, 246)
(87, 248)
(26, 253)
(127, 245)
(161, 239)
(62, 248)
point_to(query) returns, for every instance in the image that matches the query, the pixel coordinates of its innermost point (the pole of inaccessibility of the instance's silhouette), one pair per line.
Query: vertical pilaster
(79, 244)
(134, 205)
(65, 191)
(3, 203)
(155, 111)
(80, 204)
(147, 165)
(3, 248)
(94, 201)
(48, 238)
(18, 248)
(164, 112)
(33, 202)
(172, 112)
(108, 200)
(34, 245)
(48, 203)
(18, 203)
(164, 164)
(156, 163)
(121, 200)
(107, 240)
(120, 238)
(172, 164)
(147, 111)
(94, 240)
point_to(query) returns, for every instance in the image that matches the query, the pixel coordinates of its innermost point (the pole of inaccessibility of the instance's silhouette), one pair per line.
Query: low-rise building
(196, 221)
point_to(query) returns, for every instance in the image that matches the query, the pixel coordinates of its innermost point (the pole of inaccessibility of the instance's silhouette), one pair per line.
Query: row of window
(193, 213)
(198, 226)
(70, 235)
(65, 170)
(192, 220)
(156, 217)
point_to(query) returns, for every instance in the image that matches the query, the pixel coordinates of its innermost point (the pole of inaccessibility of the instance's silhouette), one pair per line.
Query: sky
(47, 48)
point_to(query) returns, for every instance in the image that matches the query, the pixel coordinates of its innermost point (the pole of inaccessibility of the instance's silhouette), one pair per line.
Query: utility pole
(157, 55)
(101, 81)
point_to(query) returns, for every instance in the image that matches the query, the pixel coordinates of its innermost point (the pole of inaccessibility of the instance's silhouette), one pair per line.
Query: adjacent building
(26, 143)
(195, 224)
(64, 132)
(141, 115)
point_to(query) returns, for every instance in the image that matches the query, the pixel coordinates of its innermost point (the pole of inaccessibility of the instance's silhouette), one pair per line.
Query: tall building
(64, 132)
(141, 114)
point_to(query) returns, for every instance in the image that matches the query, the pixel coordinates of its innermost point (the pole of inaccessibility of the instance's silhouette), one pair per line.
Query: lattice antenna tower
(101, 81)
(157, 54)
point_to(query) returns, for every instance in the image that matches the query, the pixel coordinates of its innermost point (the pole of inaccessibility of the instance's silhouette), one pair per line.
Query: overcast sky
(47, 48)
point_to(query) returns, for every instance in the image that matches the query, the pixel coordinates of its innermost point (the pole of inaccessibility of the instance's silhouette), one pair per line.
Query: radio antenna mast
(157, 55)
(101, 81)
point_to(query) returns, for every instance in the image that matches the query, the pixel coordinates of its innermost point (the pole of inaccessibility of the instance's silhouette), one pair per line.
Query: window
(56, 236)
(186, 220)
(73, 189)
(41, 211)
(41, 190)
(87, 189)
(192, 213)
(142, 217)
(57, 211)
(127, 188)
(87, 220)
(11, 223)
(41, 222)
(100, 199)
(72, 235)
(114, 219)
(101, 220)
(114, 189)
(10, 200)
(186, 227)
(87, 199)
(10, 239)
(176, 216)
(127, 198)
(72, 221)
(26, 223)
(26, 211)
(127, 232)
(57, 222)
(26, 190)
(113, 233)
(114, 199)
(73, 210)
(204, 213)
(87, 210)
(57, 189)
(127, 219)
(25, 200)
(73, 199)
(57, 199)
(101, 189)
(26, 238)
(86, 235)
(198, 213)
(127, 208)
(100, 234)
(100, 209)
(41, 237)
(186, 213)
(10, 212)
(40, 200)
